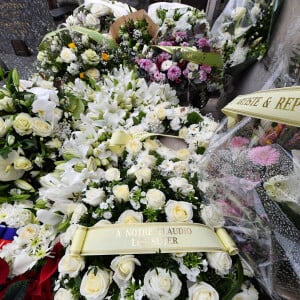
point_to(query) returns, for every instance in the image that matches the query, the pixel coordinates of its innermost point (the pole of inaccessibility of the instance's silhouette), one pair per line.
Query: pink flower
(174, 73)
(202, 75)
(263, 155)
(186, 72)
(180, 36)
(166, 43)
(159, 77)
(184, 44)
(239, 142)
(145, 64)
(202, 42)
(206, 69)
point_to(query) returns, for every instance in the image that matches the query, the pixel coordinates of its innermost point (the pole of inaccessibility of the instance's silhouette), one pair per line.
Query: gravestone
(23, 23)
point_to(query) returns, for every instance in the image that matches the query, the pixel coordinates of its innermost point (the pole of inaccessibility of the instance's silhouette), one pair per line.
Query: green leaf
(19, 197)
(196, 56)
(96, 36)
(15, 78)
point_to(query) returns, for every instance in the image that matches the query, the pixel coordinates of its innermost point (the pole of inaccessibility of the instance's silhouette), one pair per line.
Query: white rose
(78, 212)
(179, 211)
(220, 261)
(161, 284)
(91, 20)
(202, 291)
(67, 55)
(94, 196)
(192, 66)
(179, 184)
(93, 73)
(166, 65)
(155, 198)
(95, 283)
(143, 176)
(22, 124)
(180, 168)
(121, 192)
(130, 216)
(133, 146)
(112, 174)
(41, 128)
(212, 216)
(22, 163)
(63, 294)
(71, 265)
(247, 293)
(100, 10)
(123, 267)
(27, 233)
(90, 57)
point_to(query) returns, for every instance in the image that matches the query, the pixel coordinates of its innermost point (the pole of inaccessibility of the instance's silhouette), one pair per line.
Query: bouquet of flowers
(243, 31)
(82, 48)
(132, 178)
(253, 168)
(184, 32)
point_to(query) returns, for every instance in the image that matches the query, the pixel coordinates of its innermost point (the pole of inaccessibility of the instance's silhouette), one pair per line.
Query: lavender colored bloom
(202, 42)
(202, 75)
(180, 36)
(159, 77)
(166, 43)
(174, 73)
(206, 69)
(145, 64)
(185, 73)
(184, 44)
(164, 56)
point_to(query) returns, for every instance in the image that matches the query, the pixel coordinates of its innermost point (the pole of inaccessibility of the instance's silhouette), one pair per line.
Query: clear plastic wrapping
(253, 172)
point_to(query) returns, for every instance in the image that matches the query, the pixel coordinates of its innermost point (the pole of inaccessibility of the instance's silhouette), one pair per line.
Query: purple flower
(206, 69)
(145, 64)
(203, 42)
(174, 73)
(239, 142)
(180, 36)
(263, 155)
(186, 72)
(202, 75)
(159, 77)
(166, 43)
(184, 44)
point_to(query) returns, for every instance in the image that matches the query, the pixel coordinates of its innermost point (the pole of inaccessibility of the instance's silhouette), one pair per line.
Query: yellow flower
(71, 45)
(81, 75)
(105, 56)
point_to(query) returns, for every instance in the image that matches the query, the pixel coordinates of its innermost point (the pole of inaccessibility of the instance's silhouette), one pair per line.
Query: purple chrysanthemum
(174, 73)
(263, 155)
(202, 42)
(145, 64)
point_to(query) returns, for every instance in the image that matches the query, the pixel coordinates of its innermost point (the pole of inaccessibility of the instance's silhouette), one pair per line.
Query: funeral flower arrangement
(243, 31)
(182, 29)
(253, 169)
(81, 47)
(99, 181)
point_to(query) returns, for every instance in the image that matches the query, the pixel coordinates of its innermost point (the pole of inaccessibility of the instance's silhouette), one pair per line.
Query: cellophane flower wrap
(253, 169)
(243, 31)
